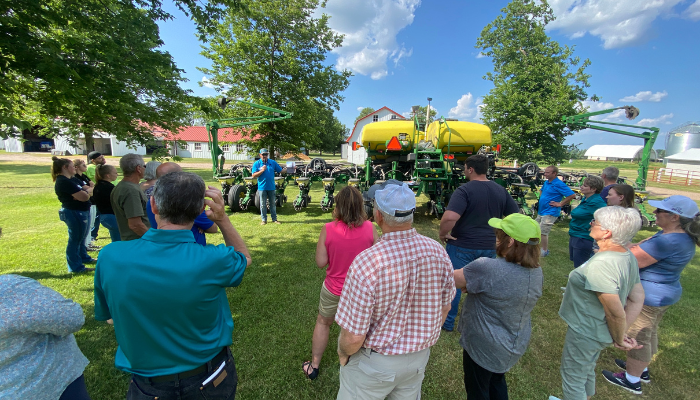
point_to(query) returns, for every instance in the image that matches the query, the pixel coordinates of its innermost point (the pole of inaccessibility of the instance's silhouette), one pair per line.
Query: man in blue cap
(264, 169)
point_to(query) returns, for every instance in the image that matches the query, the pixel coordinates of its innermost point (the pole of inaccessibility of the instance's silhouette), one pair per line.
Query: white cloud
(656, 121)
(619, 23)
(465, 108)
(693, 12)
(646, 96)
(360, 108)
(206, 82)
(370, 28)
(482, 55)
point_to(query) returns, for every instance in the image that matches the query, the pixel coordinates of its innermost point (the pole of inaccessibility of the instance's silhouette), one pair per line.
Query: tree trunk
(89, 142)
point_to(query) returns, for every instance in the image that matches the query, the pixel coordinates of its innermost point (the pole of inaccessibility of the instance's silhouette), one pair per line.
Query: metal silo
(682, 138)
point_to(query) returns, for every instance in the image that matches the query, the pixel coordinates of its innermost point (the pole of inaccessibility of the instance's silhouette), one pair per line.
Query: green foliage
(275, 55)
(574, 152)
(161, 154)
(536, 82)
(332, 135)
(364, 112)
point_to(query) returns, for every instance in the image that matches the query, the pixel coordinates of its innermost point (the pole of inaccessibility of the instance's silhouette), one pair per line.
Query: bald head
(167, 168)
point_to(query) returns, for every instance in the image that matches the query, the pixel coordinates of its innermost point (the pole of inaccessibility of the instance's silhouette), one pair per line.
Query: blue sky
(403, 51)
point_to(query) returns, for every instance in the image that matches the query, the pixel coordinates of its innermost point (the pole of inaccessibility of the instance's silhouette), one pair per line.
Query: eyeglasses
(593, 223)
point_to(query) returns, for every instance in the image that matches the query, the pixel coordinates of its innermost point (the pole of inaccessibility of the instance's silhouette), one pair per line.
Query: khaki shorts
(546, 222)
(645, 329)
(328, 304)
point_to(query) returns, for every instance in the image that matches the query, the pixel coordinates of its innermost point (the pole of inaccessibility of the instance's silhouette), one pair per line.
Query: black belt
(223, 354)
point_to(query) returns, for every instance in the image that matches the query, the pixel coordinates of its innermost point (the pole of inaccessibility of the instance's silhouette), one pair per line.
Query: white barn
(196, 143)
(608, 152)
(688, 160)
(358, 156)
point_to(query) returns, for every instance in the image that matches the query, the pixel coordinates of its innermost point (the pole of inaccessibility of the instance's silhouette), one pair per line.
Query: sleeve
(278, 168)
(563, 189)
(132, 204)
(476, 274)
(202, 221)
(67, 186)
(459, 201)
(101, 308)
(232, 266)
(355, 305)
(602, 276)
(43, 310)
(658, 247)
(448, 288)
(256, 167)
(511, 206)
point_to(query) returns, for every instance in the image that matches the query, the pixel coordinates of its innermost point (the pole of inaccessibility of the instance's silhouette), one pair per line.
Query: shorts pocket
(136, 393)
(221, 385)
(381, 376)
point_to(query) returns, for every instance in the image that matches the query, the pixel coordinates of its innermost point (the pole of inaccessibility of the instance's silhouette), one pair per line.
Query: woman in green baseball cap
(495, 321)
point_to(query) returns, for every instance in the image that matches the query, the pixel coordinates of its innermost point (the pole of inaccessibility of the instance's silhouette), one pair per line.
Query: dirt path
(663, 192)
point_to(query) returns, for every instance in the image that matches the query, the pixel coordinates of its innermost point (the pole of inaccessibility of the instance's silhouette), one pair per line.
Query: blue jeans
(580, 250)
(221, 387)
(461, 257)
(76, 252)
(110, 222)
(264, 196)
(96, 228)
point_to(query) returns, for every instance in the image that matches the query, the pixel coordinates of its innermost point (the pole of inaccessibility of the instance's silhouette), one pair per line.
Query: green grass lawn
(275, 307)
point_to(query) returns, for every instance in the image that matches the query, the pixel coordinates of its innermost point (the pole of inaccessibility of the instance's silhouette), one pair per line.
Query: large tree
(275, 55)
(364, 112)
(93, 65)
(536, 82)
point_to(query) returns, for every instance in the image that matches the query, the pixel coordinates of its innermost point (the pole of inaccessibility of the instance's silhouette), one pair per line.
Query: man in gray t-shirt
(129, 201)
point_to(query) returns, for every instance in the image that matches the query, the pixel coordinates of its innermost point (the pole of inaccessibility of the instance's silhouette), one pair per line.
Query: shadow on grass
(39, 275)
(9, 167)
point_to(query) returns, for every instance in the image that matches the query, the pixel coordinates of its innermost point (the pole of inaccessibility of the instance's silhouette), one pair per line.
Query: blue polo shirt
(553, 191)
(266, 180)
(201, 222)
(167, 297)
(582, 215)
(662, 280)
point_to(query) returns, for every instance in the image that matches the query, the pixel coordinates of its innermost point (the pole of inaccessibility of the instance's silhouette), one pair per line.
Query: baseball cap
(520, 227)
(264, 151)
(677, 204)
(393, 197)
(93, 155)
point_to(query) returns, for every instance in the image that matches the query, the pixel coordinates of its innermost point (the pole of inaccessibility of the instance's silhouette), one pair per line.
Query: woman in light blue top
(39, 358)
(661, 260)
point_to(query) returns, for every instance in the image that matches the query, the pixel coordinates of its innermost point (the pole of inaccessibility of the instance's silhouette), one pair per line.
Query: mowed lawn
(274, 309)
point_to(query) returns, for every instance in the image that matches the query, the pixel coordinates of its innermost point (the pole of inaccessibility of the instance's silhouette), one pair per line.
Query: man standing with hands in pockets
(264, 169)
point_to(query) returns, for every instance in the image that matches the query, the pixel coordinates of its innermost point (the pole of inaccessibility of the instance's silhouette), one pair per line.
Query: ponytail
(102, 170)
(57, 166)
(691, 226)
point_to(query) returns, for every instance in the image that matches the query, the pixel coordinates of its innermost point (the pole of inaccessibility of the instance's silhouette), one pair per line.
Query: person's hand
(447, 237)
(263, 168)
(628, 344)
(555, 204)
(343, 360)
(217, 210)
(109, 321)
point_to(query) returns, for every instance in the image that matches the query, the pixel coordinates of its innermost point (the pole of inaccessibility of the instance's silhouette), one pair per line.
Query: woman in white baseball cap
(661, 260)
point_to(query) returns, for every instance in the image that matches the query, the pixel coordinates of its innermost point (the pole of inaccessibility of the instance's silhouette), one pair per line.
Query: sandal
(314, 371)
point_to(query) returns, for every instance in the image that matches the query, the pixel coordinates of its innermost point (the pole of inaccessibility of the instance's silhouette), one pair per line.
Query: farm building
(606, 152)
(196, 143)
(688, 160)
(358, 156)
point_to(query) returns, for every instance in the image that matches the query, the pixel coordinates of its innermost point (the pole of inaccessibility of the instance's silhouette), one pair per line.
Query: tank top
(343, 244)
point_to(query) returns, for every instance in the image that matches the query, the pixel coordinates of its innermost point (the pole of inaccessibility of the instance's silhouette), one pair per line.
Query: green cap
(520, 227)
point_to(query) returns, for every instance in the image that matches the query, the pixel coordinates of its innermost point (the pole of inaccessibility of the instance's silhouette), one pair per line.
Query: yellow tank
(376, 134)
(467, 137)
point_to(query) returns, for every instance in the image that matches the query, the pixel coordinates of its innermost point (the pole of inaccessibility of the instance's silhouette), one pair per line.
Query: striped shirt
(395, 291)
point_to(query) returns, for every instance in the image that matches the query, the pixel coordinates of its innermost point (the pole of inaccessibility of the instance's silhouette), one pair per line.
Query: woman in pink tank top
(340, 242)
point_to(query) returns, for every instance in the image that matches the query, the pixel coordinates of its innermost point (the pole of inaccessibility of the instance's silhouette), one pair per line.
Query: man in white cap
(264, 169)
(395, 298)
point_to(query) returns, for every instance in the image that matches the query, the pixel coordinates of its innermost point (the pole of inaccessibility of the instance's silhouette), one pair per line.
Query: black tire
(528, 169)
(235, 194)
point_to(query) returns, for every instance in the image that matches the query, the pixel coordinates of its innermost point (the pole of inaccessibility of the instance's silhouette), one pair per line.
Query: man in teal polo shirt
(166, 295)
(264, 169)
(553, 191)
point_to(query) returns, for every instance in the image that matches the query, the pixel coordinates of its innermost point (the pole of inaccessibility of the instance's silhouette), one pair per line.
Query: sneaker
(619, 379)
(447, 329)
(84, 270)
(544, 253)
(276, 222)
(263, 223)
(623, 365)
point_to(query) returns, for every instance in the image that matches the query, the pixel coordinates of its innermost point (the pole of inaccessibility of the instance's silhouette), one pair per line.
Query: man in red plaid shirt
(396, 296)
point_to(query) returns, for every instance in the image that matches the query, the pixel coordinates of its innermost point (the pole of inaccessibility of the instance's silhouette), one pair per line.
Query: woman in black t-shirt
(104, 176)
(75, 211)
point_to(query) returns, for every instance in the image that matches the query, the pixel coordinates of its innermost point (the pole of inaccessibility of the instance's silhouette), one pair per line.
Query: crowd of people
(163, 289)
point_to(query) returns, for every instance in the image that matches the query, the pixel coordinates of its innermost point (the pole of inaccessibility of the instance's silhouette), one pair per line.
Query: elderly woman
(602, 299)
(661, 260)
(580, 242)
(150, 178)
(495, 321)
(75, 212)
(39, 358)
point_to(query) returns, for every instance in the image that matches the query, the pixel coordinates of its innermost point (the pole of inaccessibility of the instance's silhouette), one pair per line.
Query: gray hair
(179, 197)
(594, 182)
(129, 162)
(611, 173)
(391, 220)
(151, 170)
(622, 222)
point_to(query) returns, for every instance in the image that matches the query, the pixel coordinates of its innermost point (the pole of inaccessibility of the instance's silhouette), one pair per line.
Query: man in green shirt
(129, 201)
